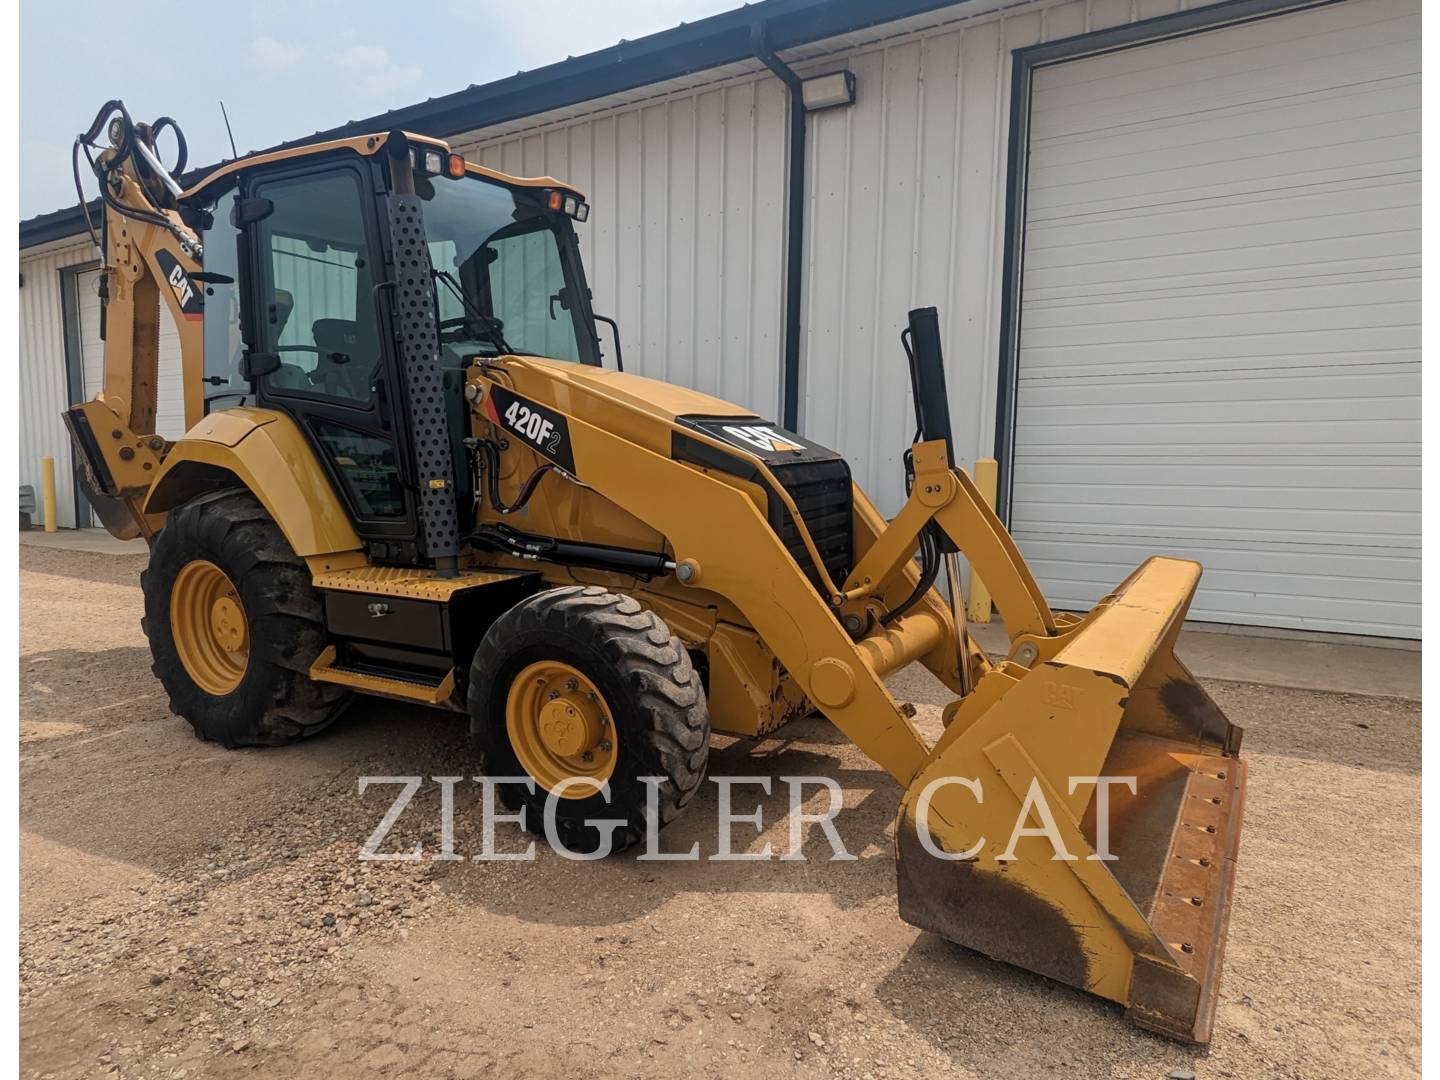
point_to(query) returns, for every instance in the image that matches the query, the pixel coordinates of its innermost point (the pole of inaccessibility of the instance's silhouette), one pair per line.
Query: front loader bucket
(1136, 912)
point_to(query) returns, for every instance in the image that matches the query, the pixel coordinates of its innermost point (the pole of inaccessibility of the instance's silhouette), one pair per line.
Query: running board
(417, 690)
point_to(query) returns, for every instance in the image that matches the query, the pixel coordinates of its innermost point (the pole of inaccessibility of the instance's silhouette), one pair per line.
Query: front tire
(234, 624)
(583, 682)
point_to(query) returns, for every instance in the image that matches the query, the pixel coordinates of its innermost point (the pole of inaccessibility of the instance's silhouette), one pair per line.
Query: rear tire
(260, 695)
(645, 682)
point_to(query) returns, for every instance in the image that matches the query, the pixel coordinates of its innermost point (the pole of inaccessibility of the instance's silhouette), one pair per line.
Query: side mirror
(615, 333)
(248, 211)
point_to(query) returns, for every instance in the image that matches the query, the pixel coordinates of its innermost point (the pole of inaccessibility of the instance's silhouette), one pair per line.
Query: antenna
(233, 152)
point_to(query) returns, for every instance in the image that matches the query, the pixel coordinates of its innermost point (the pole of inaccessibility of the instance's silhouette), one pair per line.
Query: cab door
(319, 318)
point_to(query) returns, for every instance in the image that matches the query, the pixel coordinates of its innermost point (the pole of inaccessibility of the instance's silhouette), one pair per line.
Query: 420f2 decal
(539, 427)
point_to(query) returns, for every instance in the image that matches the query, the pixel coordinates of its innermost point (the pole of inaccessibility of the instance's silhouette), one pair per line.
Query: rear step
(413, 688)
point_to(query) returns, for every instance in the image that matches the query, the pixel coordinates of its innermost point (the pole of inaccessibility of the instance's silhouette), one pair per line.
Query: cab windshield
(507, 272)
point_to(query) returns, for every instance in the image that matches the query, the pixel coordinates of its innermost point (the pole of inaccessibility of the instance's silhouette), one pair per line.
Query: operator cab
(306, 310)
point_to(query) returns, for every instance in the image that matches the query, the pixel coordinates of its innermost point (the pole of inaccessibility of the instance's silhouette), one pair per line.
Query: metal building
(1175, 247)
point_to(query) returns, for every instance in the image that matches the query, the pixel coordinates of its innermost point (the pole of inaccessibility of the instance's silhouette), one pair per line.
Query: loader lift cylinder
(927, 379)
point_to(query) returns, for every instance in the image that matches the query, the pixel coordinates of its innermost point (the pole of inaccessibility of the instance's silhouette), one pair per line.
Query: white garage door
(1220, 320)
(170, 404)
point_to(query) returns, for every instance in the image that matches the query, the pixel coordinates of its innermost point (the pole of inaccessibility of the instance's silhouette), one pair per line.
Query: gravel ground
(191, 911)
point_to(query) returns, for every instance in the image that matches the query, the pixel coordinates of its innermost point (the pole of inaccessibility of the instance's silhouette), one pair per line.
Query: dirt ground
(188, 911)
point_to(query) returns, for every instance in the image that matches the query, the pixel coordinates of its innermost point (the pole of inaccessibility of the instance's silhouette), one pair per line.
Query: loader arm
(1134, 910)
(715, 526)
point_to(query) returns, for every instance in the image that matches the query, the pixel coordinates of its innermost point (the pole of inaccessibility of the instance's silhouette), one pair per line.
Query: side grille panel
(821, 491)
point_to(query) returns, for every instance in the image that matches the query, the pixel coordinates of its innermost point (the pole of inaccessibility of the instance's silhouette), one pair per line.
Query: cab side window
(317, 309)
(225, 386)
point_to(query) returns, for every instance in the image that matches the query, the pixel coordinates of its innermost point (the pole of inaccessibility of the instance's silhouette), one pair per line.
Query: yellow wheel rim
(208, 623)
(560, 728)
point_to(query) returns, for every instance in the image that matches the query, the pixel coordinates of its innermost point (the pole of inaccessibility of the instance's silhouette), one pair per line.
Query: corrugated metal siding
(43, 390)
(906, 209)
(1220, 343)
(685, 242)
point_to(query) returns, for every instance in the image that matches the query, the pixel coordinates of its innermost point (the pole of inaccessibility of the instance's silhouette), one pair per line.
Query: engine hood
(563, 384)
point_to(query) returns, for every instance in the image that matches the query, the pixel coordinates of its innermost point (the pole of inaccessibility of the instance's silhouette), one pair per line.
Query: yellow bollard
(47, 492)
(985, 477)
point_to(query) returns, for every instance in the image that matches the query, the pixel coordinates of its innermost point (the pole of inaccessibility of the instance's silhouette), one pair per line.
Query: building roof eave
(682, 50)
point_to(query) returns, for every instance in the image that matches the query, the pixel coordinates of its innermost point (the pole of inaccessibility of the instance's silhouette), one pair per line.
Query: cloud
(373, 72)
(275, 57)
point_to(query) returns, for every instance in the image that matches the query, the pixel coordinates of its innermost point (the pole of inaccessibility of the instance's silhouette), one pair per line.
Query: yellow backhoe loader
(407, 473)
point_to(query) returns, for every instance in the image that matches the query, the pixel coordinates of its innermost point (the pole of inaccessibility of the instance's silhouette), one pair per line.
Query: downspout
(795, 231)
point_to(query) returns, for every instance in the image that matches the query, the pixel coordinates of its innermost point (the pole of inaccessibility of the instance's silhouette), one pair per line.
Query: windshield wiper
(490, 326)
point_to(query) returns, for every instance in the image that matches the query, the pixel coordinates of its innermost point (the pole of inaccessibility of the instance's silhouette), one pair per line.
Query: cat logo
(763, 438)
(192, 304)
(181, 284)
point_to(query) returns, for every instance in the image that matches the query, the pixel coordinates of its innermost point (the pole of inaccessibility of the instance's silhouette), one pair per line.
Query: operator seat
(288, 375)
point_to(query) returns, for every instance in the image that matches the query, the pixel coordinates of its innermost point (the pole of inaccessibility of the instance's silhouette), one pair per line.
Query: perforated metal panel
(416, 326)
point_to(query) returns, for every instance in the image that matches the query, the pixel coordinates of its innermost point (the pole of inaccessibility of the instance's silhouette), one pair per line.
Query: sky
(284, 68)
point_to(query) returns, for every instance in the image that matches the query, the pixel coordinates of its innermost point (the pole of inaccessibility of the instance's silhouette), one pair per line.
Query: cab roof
(366, 145)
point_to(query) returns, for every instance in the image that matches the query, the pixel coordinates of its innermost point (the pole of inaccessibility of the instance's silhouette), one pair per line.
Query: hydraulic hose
(124, 150)
(929, 570)
(491, 469)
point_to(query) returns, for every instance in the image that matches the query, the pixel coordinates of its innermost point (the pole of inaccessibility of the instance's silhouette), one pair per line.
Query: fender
(266, 452)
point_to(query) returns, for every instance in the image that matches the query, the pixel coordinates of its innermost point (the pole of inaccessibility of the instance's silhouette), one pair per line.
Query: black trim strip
(1024, 63)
